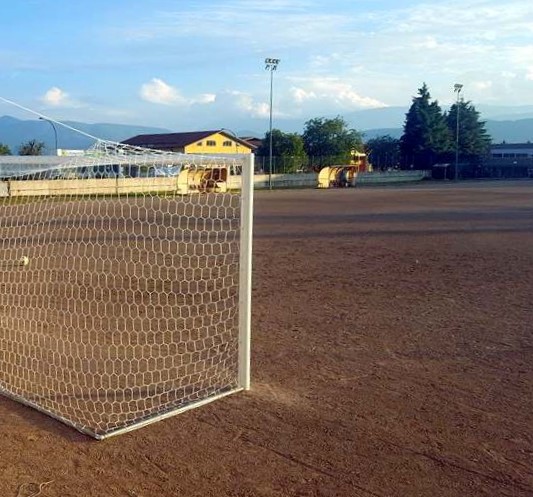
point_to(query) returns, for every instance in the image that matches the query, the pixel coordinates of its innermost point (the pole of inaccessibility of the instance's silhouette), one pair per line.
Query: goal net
(124, 284)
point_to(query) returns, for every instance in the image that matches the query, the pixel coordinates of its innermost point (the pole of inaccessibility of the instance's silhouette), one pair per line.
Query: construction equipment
(345, 175)
(203, 179)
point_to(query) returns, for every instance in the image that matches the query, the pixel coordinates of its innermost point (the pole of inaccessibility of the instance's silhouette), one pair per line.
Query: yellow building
(215, 142)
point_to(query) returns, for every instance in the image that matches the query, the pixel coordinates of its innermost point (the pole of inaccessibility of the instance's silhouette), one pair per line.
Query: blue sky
(189, 64)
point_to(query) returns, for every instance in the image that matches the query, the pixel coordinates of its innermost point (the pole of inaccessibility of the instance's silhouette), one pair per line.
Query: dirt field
(393, 356)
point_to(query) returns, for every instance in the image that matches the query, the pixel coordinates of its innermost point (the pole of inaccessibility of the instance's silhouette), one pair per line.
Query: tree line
(31, 147)
(323, 141)
(429, 137)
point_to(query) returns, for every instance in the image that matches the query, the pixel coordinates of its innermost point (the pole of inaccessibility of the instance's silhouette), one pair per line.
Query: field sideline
(392, 356)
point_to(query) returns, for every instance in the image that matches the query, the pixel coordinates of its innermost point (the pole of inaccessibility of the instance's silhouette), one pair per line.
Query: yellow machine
(205, 179)
(337, 176)
(341, 176)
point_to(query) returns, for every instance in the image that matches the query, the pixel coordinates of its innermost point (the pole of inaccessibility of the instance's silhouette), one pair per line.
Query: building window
(199, 144)
(227, 143)
(211, 143)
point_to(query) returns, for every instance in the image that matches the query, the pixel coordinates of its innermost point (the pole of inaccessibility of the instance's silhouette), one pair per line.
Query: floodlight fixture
(271, 64)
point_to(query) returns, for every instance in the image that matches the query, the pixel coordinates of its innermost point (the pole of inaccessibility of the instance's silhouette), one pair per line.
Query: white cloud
(205, 98)
(304, 95)
(473, 19)
(245, 102)
(354, 55)
(56, 97)
(333, 91)
(243, 20)
(520, 59)
(326, 61)
(340, 30)
(427, 43)
(158, 91)
(482, 85)
(300, 95)
(508, 75)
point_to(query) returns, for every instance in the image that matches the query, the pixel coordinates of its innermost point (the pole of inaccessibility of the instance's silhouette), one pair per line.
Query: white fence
(310, 180)
(386, 177)
(161, 185)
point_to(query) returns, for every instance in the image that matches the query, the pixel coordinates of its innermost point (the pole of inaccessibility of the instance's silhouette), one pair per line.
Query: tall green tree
(383, 152)
(426, 137)
(287, 151)
(329, 141)
(474, 140)
(31, 147)
(4, 149)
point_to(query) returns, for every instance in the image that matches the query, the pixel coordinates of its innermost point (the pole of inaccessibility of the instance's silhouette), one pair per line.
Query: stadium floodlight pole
(271, 65)
(53, 126)
(457, 89)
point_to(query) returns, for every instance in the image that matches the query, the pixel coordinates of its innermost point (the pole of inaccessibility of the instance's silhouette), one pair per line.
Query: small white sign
(63, 152)
(4, 192)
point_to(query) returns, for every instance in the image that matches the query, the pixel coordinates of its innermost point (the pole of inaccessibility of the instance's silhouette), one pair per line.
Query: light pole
(53, 126)
(457, 89)
(271, 65)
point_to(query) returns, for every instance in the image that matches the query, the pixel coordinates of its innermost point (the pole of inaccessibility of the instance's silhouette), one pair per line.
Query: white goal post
(125, 284)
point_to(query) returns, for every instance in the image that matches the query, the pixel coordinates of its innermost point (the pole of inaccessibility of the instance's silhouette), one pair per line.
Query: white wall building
(512, 151)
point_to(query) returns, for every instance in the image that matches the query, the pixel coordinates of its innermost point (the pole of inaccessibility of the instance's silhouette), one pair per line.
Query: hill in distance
(509, 124)
(15, 131)
(519, 131)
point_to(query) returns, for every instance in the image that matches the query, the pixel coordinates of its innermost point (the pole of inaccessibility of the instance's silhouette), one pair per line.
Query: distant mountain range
(519, 131)
(15, 131)
(504, 123)
(509, 124)
(509, 131)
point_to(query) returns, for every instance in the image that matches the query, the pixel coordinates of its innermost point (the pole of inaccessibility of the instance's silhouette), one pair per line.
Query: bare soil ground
(393, 356)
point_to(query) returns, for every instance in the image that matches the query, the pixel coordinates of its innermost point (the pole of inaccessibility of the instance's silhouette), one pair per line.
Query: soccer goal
(125, 284)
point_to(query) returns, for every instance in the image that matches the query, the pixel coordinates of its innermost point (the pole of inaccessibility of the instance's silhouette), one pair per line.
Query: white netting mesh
(118, 293)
